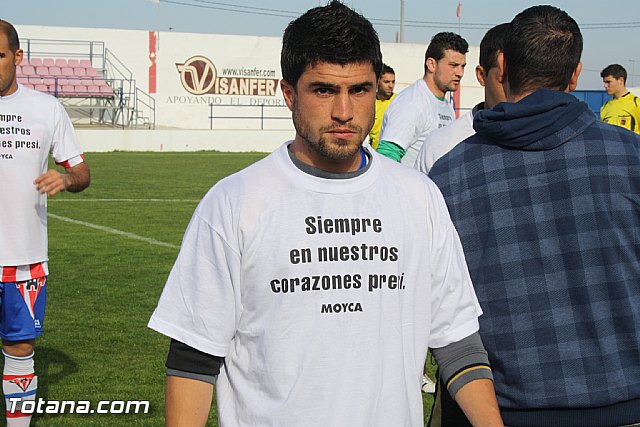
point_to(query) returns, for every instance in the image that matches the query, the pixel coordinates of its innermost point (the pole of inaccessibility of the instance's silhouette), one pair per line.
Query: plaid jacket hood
(536, 122)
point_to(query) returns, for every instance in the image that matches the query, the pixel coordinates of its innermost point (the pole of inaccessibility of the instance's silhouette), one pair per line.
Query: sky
(611, 29)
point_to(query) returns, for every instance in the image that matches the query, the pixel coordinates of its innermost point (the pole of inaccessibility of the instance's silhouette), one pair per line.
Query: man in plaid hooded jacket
(546, 200)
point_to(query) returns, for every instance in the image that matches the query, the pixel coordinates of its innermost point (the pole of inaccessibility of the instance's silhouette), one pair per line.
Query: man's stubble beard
(338, 151)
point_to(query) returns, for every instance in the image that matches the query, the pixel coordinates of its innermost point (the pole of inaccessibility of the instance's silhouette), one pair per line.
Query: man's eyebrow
(363, 84)
(320, 84)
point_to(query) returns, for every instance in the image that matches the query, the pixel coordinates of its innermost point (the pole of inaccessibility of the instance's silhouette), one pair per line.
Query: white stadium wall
(217, 91)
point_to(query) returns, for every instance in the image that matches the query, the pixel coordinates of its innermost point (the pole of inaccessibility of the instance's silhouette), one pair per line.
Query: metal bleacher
(94, 86)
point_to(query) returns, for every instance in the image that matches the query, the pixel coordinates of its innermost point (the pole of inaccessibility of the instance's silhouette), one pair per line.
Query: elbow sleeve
(187, 362)
(462, 362)
(391, 150)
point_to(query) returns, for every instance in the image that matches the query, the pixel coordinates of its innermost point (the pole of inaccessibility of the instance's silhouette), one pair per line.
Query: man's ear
(431, 64)
(480, 75)
(573, 83)
(502, 68)
(289, 93)
(18, 56)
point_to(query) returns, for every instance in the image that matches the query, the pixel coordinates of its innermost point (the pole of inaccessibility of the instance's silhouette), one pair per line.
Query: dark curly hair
(614, 70)
(443, 41)
(334, 34)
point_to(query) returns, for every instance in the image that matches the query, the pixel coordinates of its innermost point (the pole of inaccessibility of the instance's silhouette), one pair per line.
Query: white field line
(114, 231)
(124, 200)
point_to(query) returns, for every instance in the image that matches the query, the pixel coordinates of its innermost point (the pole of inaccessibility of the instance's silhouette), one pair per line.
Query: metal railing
(145, 104)
(89, 109)
(80, 49)
(115, 67)
(133, 106)
(260, 118)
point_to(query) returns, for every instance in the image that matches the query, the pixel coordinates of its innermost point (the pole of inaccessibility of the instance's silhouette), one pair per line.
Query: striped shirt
(24, 272)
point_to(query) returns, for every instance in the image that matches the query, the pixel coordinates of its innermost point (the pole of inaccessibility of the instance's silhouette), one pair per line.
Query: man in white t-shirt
(422, 107)
(303, 307)
(441, 141)
(34, 124)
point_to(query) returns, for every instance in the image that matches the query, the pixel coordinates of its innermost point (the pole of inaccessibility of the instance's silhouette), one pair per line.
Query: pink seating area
(63, 77)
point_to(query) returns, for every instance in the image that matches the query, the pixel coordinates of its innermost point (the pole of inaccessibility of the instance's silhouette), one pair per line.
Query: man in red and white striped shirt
(32, 125)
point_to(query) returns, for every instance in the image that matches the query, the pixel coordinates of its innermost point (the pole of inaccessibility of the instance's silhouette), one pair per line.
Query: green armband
(391, 150)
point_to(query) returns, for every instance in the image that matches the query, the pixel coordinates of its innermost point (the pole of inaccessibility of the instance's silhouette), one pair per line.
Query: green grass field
(111, 249)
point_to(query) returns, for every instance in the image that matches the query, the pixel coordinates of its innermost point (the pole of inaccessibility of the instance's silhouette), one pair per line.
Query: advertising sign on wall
(214, 81)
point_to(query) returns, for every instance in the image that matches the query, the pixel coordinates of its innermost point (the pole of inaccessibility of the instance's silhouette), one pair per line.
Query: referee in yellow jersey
(624, 108)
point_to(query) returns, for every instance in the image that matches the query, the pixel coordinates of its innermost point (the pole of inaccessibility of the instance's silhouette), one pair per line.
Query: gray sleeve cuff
(461, 362)
(211, 379)
(477, 372)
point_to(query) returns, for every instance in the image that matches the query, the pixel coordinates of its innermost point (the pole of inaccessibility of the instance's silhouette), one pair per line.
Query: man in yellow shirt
(624, 108)
(386, 84)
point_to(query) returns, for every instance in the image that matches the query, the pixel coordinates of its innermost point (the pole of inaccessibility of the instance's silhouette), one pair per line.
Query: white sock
(18, 382)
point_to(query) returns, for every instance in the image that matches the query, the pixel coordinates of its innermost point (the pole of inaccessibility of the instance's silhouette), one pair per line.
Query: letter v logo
(197, 74)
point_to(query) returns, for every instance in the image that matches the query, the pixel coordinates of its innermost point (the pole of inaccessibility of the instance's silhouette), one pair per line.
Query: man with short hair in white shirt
(301, 290)
(441, 141)
(422, 107)
(34, 124)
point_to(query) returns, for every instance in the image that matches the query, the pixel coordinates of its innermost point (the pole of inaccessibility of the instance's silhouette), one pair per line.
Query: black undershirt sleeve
(187, 362)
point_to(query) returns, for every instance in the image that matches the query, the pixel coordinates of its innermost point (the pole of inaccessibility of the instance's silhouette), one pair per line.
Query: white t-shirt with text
(412, 115)
(32, 125)
(323, 295)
